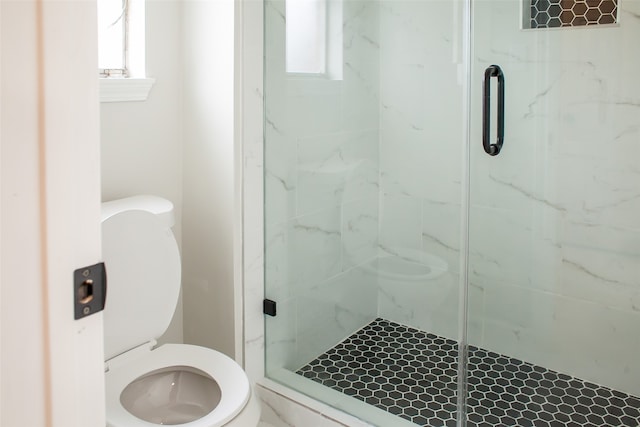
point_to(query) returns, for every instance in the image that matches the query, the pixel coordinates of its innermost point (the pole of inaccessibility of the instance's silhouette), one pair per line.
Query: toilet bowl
(173, 384)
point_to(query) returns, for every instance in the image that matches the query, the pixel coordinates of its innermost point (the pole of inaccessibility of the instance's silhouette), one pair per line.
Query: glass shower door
(363, 147)
(554, 214)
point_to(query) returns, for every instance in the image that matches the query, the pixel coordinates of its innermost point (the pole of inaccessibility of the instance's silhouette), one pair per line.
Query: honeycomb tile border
(570, 13)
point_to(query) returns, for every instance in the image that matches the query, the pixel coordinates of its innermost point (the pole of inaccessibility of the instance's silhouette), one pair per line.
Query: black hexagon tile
(572, 13)
(412, 374)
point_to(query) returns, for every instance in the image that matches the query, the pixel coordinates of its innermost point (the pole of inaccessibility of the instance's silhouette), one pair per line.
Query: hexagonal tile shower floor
(412, 374)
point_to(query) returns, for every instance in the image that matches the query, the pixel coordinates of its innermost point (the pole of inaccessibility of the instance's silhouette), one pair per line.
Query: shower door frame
(250, 108)
(467, 49)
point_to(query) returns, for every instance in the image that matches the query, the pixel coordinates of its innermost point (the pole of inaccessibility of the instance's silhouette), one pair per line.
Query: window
(112, 37)
(121, 51)
(314, 38)
(306, 35)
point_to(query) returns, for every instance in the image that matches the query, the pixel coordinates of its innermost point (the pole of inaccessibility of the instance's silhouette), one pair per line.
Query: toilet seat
(233, 383)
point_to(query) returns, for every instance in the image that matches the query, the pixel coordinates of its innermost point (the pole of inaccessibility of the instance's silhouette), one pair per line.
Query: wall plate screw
(86, 310)
(86, 273)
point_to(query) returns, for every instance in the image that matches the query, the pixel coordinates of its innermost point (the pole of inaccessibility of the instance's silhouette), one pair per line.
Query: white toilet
(174, 384)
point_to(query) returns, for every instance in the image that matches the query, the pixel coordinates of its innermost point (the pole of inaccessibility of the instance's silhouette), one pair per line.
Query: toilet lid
(143, 279)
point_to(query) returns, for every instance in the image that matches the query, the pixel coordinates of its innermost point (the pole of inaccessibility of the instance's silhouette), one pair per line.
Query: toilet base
(250, 414)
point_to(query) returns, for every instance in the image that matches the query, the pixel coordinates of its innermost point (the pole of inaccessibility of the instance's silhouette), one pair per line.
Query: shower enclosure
(452, 209)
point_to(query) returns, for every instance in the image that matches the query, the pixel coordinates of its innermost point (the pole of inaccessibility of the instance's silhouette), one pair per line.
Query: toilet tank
(158, 206)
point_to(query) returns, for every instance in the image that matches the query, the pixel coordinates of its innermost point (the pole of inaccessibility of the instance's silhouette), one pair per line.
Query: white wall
(209, 174)
(142, 142)
(179, 144)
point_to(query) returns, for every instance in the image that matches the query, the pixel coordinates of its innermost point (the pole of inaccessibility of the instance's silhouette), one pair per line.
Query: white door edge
(51, 365)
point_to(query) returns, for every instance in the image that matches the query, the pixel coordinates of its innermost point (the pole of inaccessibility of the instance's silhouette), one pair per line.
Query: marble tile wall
(371, 168)
(279, 410)
(421, 129)
(321, 188)
(555, 229)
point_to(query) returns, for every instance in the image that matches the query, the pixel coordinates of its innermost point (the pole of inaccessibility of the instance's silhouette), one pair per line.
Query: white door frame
(51, 365)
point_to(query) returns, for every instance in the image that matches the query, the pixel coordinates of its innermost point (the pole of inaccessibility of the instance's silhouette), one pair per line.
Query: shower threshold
(413, 374)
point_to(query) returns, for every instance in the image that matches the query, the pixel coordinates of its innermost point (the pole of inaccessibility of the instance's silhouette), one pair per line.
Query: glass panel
(554, 290)
(111, 23)
(306, 35)
(363, 185)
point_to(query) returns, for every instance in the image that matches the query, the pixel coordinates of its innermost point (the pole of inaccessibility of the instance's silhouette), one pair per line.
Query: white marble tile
(612, 279)
(314, 247)
(599, 236)
(278, 268)
(475, 314)
(359, 231)
(284, 407)
(420, 120)
(280, 178)
(420, 301)
(320, 188)
(302, 252)
(426, 27)
(312, 106)
(577, 337)
(274, 54)
(360, 70)
(602, 188)
(400, 222)
(281, 338)
(418, 163)
(332, 310)
(501, 246)
(278, 411)
(334, 169)
(441, 232)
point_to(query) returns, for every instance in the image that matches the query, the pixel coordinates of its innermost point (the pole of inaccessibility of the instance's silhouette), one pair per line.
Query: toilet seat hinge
(127, 356)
